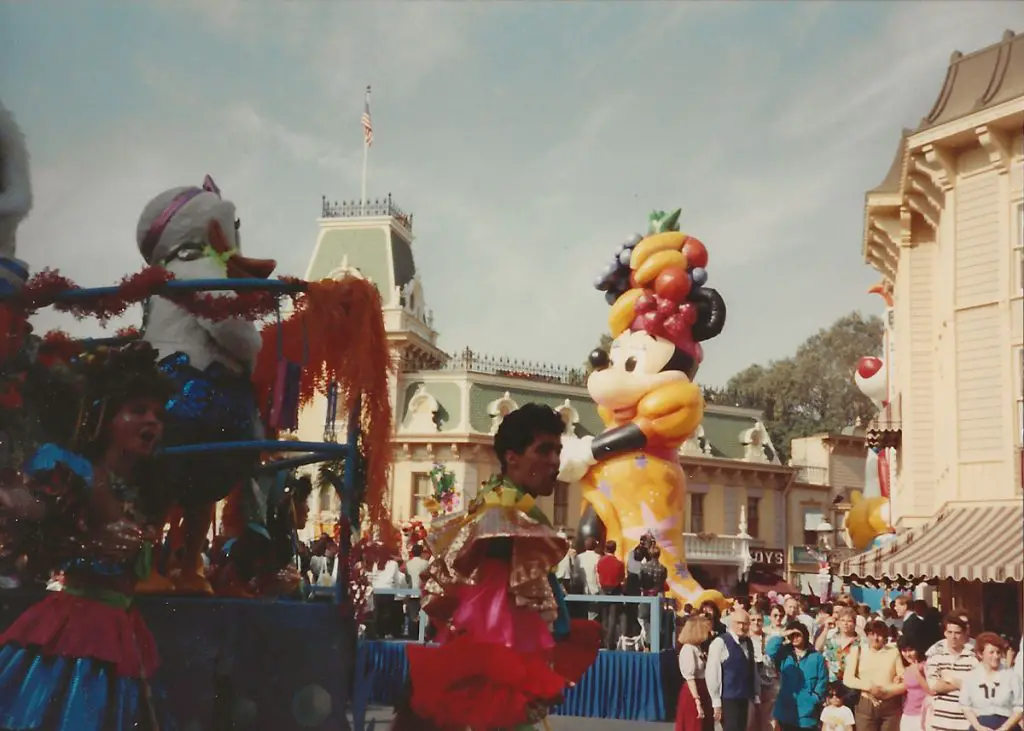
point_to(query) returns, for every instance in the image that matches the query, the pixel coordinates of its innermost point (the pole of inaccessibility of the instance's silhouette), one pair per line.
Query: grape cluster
(656, 314)
(614, 280)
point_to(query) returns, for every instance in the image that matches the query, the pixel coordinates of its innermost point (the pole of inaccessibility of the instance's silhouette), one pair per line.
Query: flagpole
(366, 156)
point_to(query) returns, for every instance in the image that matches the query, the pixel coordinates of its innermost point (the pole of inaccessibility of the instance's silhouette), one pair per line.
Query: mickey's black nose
(598, 359)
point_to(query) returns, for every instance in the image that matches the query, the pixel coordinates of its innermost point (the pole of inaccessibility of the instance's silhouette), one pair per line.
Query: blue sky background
(527, 138)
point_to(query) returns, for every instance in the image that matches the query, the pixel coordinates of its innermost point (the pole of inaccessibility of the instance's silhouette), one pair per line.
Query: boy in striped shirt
(945, 671)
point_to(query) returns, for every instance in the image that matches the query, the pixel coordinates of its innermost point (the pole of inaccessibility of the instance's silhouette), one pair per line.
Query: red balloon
(689, 313)
(649, 321)
(869, 366)
(667, 307)
(696, 253)
(673, 284)
(644, 303)
(676, 328)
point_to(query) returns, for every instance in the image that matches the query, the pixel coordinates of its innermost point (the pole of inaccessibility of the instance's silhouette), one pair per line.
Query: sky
(527, 138)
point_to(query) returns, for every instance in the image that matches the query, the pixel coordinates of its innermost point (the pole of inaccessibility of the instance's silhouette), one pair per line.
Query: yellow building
(829, 467)
(945, 229)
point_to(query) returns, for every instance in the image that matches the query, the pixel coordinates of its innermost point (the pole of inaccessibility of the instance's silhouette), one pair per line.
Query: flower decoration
(444, 499)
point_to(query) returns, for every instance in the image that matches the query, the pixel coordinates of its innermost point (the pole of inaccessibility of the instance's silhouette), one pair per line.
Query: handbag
(851, 697)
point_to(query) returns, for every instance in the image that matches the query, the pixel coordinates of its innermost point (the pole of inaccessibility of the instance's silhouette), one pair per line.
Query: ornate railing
(357, 209)
(810, 475)
(468, 361)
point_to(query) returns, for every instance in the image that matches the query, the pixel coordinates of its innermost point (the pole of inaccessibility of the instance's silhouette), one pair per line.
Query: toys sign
(768, 557)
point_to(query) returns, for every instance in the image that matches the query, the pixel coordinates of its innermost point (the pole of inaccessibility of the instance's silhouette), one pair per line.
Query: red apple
(696, 253)
(673, 284)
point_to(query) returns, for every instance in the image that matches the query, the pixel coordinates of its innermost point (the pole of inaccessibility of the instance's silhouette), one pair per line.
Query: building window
(422, 487)
(696, 512)
(1018, 389)
(561, 504)
(754, 517)
(1018, 254)
(813, 517)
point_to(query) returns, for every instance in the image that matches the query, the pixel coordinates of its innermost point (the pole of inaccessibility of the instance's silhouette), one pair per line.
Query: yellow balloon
(621, 315)
(668, 241)
(658, 263)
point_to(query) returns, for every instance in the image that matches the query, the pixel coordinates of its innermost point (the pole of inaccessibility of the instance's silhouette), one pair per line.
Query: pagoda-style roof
(893, 178)
(979, 80)
(973, 83)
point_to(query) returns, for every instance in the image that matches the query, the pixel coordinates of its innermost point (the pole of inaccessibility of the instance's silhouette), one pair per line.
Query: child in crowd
(836, 716)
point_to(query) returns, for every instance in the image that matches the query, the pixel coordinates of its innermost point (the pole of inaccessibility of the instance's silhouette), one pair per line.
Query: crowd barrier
(631, 686)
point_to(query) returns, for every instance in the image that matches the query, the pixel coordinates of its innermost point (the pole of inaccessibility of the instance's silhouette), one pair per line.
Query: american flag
(367, 123)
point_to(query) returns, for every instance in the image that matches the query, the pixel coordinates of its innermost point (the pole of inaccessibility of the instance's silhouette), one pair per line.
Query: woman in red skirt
(693, 711)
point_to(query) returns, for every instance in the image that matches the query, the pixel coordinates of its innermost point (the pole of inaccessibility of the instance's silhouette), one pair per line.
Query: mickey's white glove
(577, 458)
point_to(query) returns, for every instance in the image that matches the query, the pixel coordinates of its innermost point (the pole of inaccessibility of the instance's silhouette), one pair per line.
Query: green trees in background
(812, 391)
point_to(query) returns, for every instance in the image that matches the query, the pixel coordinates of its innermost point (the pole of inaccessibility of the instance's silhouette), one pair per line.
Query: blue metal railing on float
(653, 602)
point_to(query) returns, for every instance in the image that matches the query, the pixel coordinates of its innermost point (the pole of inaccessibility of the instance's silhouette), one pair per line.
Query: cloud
(528, 139)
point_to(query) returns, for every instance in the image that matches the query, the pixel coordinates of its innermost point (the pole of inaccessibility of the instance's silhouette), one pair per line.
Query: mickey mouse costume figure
(631, 478)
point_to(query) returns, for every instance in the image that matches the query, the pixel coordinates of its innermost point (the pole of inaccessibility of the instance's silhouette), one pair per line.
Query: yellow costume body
(644, 491)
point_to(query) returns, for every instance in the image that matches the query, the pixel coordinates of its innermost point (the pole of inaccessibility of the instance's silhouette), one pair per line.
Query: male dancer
(493, 598)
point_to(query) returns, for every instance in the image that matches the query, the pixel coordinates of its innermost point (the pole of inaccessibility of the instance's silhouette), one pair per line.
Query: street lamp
(824, 553)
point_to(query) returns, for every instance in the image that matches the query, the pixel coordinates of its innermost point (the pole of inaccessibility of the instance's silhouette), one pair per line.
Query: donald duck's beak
(242, 267)
(238, 266)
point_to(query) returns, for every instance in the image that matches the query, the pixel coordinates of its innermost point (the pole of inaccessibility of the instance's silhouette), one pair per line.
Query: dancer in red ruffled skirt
(507, 648)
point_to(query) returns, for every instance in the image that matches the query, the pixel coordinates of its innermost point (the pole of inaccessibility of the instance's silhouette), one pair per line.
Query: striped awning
(962, 544)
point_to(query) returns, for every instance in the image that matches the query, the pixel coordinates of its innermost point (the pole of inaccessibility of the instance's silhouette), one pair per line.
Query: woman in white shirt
(693, 711)
(991, 695)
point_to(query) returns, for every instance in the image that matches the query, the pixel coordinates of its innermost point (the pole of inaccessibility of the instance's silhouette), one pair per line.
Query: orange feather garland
(337, 332)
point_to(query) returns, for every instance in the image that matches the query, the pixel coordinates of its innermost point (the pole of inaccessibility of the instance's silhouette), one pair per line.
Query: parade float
(228, 374)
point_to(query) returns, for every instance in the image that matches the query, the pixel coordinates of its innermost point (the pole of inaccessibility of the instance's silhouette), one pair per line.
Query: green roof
(365, 250)
(480, 395)
(722, 431)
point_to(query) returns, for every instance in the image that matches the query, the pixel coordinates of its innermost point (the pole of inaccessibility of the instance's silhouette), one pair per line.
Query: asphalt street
(379, 719)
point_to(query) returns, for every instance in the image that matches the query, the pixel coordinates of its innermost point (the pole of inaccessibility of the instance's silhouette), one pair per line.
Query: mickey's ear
(710, 313)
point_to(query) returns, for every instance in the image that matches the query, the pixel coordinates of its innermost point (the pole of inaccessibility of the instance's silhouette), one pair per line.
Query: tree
(813, 391)
(604, 344)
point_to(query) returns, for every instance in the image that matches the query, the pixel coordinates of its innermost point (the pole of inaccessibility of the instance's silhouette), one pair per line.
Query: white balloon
(873, 387)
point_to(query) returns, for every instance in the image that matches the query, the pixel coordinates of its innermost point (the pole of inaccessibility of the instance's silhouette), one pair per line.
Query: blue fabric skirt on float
(72, 663)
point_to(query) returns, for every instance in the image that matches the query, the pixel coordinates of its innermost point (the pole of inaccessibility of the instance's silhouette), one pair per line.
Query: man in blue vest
(732, 678)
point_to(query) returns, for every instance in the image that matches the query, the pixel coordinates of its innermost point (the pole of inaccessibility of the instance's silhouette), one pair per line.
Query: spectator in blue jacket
(803, 678)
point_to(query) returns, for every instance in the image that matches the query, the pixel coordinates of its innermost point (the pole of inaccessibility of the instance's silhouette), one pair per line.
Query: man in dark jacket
(731, 673)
